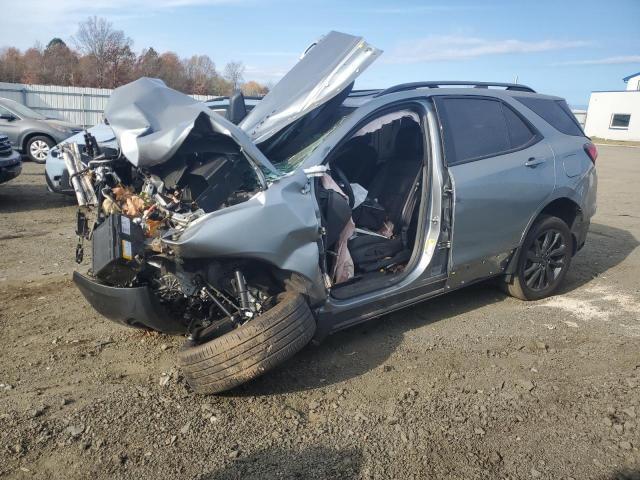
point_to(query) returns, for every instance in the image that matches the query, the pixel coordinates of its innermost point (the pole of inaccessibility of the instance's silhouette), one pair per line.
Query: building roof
(626, 79)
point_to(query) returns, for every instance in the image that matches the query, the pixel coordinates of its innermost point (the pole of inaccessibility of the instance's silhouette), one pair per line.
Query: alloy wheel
(546, 258)
(39, 150)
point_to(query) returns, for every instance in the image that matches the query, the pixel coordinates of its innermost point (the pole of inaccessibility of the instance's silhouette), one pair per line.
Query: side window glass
(519, 132)
(473, 128)
(555, 112)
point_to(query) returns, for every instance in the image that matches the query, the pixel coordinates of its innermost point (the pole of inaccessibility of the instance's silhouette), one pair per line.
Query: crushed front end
(126, 213)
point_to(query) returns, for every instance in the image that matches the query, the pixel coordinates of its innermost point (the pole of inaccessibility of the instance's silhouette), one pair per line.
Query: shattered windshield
(293, 145)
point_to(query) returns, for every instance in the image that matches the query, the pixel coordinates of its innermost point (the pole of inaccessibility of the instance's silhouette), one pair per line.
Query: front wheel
(38, 148)
(250, 350)
(544, 259)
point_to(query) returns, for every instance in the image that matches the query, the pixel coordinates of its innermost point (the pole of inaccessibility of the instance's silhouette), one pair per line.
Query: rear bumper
(132, 307)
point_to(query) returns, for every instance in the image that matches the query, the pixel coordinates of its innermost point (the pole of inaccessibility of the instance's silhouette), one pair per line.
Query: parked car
(56, 172)
(10, 163)
(323, 207)
(30, 132)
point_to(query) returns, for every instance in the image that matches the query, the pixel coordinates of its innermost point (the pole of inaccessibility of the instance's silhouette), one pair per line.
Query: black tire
(250, 350)
(541, 268)
(37, 141)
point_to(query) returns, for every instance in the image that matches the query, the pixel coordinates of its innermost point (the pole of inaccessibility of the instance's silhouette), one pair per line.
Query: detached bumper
(132, 307)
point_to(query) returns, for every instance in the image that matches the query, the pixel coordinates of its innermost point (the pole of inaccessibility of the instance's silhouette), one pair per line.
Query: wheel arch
(565, 208)
(29, 135)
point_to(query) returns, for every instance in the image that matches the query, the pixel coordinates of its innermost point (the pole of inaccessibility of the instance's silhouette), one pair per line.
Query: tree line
(103, 57)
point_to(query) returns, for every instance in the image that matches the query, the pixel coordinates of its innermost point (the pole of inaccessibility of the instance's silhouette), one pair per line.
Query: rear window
(476, 128)
(555, 112)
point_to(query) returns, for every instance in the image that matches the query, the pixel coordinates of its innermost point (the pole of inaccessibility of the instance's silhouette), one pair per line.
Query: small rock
(233, 454)
(495, 458)
(36, 412)
(527, 385)
(213, 419)
(185, 429)
(618, 428)
(479, 431)
(164, 347)
(625, 445)
(387, 368)
(75, 430)
(631, 412)
(535, 473)
(164, 379)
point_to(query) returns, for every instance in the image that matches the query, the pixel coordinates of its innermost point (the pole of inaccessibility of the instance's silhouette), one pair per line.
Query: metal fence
(80, 105)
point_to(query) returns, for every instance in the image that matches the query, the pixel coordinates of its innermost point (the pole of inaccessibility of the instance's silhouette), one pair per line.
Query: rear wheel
(250, 350)
(544, 259)
(38, 147)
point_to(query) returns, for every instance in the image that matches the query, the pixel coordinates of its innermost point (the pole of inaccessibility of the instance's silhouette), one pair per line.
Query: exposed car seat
(395, 188)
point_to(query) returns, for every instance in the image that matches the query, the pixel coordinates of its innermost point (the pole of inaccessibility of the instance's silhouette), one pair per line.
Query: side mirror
(8, 116)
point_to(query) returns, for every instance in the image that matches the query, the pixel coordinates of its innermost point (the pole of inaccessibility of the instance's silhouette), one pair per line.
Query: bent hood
(327, 67)
(152, 121)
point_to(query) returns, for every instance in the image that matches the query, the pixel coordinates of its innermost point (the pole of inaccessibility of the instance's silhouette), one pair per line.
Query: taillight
(591, 150)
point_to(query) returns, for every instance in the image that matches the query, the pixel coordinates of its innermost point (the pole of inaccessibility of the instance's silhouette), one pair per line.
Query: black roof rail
(364, 92)
(225, 97)
(414, 85)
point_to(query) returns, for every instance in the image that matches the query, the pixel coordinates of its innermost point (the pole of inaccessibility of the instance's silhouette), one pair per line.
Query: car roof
(358, 98)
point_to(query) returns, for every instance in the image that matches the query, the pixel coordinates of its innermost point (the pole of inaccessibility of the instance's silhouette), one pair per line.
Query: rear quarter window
(555, 112)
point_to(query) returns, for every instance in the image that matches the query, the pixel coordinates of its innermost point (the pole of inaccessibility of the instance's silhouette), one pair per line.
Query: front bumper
(10, 167)
(132, 307)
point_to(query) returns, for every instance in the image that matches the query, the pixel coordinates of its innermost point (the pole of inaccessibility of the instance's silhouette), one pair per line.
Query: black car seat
(395, 188)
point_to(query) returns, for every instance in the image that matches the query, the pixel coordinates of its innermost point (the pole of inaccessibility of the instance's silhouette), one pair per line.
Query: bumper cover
(10, 167)
(132, 307)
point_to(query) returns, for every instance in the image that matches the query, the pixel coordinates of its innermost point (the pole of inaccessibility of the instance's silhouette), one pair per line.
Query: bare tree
(109, 48)
(234, 73)
(200, 71)
(59, 63)
(253, 88)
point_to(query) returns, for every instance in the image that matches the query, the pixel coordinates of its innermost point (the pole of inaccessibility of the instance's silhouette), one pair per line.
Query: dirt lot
(470, 385)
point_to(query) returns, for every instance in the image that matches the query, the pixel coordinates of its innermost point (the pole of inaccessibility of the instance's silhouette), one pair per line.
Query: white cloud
(456, 47)
(617, 60)
(33, 20)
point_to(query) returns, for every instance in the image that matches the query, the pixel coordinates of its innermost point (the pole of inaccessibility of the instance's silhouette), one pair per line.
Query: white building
(615, 115)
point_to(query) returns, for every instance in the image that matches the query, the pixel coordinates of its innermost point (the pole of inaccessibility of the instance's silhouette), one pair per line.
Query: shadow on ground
(362, 348)
(20, 197)
(605, 248)
(310, 463)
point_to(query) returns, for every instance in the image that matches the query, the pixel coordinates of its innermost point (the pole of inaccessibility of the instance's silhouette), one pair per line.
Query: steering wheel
(344, 185)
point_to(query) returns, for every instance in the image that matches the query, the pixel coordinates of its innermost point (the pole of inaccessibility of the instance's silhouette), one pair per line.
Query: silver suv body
(323, 207)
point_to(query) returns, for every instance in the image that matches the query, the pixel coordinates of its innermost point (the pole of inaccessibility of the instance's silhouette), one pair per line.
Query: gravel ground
(473, 384)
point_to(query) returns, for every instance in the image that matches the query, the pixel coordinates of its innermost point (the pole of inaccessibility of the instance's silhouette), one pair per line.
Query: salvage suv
(323, 207)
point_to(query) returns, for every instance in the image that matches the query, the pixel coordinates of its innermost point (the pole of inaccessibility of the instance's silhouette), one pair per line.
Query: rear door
(502, 171)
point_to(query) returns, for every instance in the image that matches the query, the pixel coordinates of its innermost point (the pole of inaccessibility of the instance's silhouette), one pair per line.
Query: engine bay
(127, 212)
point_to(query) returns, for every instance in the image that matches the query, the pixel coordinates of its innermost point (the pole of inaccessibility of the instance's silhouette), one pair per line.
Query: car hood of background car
(62, 124)
(152, 121)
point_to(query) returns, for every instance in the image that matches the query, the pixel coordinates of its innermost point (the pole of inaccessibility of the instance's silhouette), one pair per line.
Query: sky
(561, 47)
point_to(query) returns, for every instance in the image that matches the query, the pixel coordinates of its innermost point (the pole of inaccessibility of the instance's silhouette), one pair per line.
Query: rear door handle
(533, 162)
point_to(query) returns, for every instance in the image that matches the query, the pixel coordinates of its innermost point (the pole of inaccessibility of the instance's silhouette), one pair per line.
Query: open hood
(151, 122)
(324, 71)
